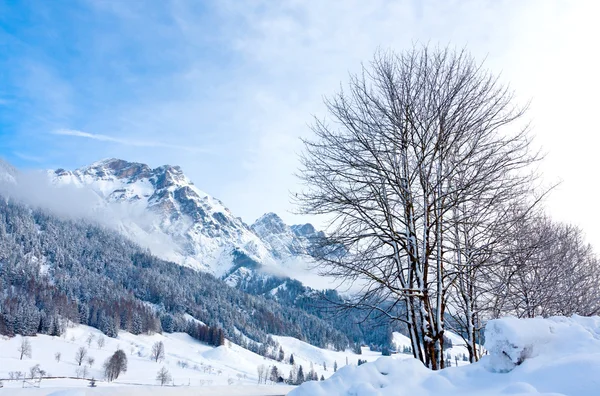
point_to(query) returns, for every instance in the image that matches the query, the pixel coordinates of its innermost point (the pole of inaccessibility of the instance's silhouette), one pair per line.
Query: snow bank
(511, 341)
(555, 356)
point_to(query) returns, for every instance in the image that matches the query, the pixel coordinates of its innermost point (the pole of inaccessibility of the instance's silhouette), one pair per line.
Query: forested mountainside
(136, 188)
(358, 325)
(52, 270)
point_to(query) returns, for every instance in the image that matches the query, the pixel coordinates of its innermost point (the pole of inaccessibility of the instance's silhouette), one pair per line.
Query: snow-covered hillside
(189, 362)
(550, 357)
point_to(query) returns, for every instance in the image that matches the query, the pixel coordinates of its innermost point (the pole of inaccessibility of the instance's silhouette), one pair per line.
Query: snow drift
(554, 356)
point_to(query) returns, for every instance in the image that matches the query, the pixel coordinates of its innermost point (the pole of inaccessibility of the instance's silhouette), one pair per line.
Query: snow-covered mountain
(285, 241)
(191, 227)
(163, 210)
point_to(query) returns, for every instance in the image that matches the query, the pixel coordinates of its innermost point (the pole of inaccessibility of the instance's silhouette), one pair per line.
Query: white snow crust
(549, 357)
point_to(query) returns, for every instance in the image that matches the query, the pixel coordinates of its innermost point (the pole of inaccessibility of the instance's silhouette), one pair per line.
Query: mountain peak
(284, 241)
(202, 231)
(269, 223)
(305, 230)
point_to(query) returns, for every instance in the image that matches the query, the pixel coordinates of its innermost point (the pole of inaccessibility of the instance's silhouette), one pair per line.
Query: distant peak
(303, 229)
(269, 223)
(104, 162)
(176, 169)
(270, 216)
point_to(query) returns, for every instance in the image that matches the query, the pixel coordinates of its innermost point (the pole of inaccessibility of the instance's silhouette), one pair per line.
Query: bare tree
(163, 376)
(80, 355)
(89, 339)
(34, 371)
(90, 361)
(115, 365)
(100, 341)
(548, 261)
(158, 351)
(416, 137)
(57, 356)
(261, 370)
(24, 348)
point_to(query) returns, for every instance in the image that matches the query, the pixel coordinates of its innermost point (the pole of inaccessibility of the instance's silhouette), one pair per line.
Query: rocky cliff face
(285, 241)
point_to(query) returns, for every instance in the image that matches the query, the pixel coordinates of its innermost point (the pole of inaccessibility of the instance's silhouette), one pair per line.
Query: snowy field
(542, 357)
(195, 368)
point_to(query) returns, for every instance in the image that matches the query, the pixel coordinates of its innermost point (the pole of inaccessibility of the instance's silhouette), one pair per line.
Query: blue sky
(226, 88)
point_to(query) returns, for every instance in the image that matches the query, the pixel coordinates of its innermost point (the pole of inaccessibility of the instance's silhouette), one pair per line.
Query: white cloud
(127, 142)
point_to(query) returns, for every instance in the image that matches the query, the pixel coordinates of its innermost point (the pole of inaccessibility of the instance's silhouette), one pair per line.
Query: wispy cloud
(29, 157)
(127, 142)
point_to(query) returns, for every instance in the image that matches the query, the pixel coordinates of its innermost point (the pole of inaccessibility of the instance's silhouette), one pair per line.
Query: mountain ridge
(202, 232)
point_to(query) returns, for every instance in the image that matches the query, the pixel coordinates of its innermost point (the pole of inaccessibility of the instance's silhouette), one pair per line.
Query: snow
(208, 370)
(206, 365)
(456, 352)
(554, 356)
(305, 354)
(233, 390)
(400, 341)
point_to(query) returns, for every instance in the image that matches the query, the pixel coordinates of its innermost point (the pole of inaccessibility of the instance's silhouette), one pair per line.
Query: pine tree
(300, 376)
(274, 374)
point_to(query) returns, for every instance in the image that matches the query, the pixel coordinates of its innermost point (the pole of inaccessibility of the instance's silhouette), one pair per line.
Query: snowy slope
(163, 210)
(207, 367)
(550, 357)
